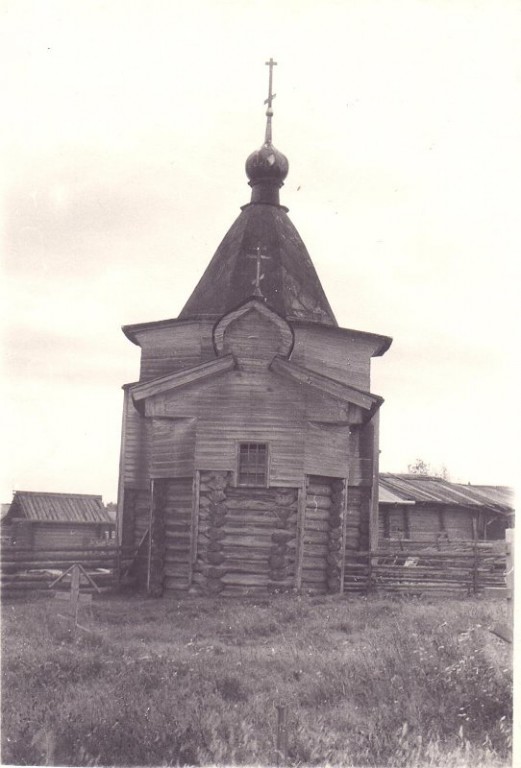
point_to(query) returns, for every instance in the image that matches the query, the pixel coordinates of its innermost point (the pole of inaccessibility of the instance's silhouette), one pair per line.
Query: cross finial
(259, 257)
(271, 95)
(269, 100)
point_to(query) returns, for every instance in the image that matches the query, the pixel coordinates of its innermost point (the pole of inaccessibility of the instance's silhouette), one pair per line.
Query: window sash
(253, 464)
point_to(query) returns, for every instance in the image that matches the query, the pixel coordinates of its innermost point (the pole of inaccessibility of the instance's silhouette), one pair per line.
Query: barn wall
(425, 522)
(457, 522)
(54, 535)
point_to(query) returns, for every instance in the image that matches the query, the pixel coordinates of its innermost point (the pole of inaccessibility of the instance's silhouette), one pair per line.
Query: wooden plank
(345, 499)
(179, 379)
(195, 524)
(150, 528)
(301, 524)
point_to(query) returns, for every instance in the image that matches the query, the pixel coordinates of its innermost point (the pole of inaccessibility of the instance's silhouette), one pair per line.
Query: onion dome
(266, 168)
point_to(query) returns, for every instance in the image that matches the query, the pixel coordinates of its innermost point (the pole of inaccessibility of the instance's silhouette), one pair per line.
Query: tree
(419, 467)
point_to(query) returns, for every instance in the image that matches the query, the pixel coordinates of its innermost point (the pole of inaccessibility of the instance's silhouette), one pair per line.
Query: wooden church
(249, 455)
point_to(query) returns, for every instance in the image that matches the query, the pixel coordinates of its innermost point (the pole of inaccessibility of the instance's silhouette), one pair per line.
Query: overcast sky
(127, 124)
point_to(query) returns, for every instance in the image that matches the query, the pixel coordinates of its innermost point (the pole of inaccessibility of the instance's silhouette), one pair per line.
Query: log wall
(246, 538)
(177, 515)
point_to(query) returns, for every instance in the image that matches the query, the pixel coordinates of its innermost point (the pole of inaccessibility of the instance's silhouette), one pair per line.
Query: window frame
(237, 482)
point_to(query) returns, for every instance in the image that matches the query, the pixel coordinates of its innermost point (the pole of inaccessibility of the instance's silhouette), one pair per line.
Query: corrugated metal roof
(425, 489)
(59, 507)
(385, 496)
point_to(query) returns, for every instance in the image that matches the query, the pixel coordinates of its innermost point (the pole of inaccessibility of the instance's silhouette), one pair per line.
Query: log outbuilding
(427, 510)
(42, 521)
(249, 455)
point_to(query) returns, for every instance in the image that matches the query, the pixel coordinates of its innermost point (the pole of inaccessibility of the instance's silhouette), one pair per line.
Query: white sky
(126, 127)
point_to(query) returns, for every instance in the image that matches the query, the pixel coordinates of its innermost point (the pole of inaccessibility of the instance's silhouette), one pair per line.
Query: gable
(252, 332)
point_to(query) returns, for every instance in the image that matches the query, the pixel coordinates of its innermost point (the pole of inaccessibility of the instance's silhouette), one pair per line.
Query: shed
(424, 508)
(50, 520)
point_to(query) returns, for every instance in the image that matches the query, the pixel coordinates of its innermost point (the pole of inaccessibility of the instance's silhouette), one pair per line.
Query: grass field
(367, 682)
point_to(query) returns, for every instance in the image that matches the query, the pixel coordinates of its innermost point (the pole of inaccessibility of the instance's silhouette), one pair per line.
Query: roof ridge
(60, 493)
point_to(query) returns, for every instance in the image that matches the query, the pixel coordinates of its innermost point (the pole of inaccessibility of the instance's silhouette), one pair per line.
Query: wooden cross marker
(258, 256)
(75, 596)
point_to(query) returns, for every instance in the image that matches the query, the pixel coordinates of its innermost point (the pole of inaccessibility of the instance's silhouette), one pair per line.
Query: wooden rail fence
(463, 568)
(25, 570)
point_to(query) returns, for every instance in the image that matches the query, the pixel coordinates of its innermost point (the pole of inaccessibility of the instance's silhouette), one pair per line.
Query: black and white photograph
(261, 267)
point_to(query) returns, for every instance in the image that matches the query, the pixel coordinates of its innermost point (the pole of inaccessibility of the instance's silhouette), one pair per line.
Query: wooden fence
(460, 568)
(25, 570)
(463, 568)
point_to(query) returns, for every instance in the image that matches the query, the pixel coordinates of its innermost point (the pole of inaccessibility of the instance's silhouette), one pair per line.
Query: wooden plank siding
(65, 534)
(257, 406)
(170, 348)
(327, 450)
(173, 447)
(346, 359)
(137, 448)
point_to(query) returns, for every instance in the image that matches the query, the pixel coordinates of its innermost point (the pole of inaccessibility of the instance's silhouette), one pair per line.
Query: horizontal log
(53, 550)
(246, 566)
(57, 565)
(315, 550)
(312, 576)
(250, 553)
(320, 489)
(171, 584)
(179, 571)
(317, 525)
(314, 562)
(317, 514)
(315, 537)
(236, 520)
(244, 540)
(233, 590)
(245, 579)
(250, 505)
(76, 557)
(177, 557)
(318, 502)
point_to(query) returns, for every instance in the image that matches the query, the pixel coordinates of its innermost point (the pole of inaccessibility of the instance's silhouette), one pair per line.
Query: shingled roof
(58, 508)
(290, 284)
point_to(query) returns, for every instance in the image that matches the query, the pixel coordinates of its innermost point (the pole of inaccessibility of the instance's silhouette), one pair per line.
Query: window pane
(253, 464)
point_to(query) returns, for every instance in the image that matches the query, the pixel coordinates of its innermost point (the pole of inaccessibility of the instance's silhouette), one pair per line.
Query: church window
(253, 464)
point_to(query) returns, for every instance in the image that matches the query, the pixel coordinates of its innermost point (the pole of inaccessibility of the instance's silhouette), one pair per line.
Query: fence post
(369, 588)
(281, 751)
(509, 573)
(475, 569)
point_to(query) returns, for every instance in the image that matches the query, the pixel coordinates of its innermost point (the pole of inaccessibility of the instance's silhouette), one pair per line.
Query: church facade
(249, 454)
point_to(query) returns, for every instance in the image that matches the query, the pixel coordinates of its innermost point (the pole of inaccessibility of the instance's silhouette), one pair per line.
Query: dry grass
(367, 682)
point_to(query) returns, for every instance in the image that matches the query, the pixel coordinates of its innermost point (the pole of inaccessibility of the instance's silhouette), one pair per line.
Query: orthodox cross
(269, 100)
(258, 256)
(271, 95)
